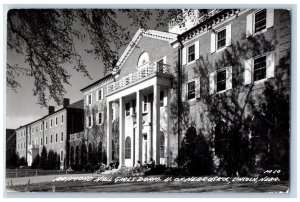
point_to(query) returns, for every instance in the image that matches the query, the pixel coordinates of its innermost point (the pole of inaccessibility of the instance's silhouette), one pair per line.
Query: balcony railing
(77, 136)
(141, 74)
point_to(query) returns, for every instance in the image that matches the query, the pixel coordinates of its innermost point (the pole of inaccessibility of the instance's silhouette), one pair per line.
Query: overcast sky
(22, 107)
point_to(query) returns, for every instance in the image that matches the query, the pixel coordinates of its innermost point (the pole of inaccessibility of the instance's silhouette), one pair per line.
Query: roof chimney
(66, 102)
(51, 109)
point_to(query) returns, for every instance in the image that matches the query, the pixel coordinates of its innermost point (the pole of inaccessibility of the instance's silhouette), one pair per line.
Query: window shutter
(229, 78)
(248, 71)
(212, 83)
(270, 18)
(228, 35)
(165, 98)
(197, 87)
(97, 95)
(184, 56)
(249, 25)
(270, 65)
(183, 90)
(213, 43)
(196, 50)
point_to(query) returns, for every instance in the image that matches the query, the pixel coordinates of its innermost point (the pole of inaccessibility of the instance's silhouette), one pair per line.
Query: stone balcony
(144, 73)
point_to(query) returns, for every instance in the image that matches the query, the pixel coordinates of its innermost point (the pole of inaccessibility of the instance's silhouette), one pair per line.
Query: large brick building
(161, 84)
(52, 131)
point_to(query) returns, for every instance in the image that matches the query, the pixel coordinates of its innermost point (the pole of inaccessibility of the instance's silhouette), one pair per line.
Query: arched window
(143, 59)
(162, 144)
(72, 156)
(127, 148)
(100, 152)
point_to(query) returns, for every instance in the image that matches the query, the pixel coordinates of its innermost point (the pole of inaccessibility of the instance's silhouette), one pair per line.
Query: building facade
(52, 131)
(163, 81)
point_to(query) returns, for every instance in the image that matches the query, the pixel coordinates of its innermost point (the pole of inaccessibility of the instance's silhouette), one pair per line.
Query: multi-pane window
(160, 65)
(90, 121)
(127, 109)
(134, 106)
(46, 140)
(51, 124)
(50, 138)
(260, 20)
(259, 68)
(100, 94)
(100, 118)
(41, 141)
(46, 125)
(56, 120)
(62, 136)
(145, 103)
(221, 80)
(55, 137)
(62, 118)
(191, 53)
(61, 155)
(127, 148)
(90, 99)
(221, 39)
(161, 101)
(41, 126)
(191, 90)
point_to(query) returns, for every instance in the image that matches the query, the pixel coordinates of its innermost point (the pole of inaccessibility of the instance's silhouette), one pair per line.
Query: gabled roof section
(166, 36)
(98, 82)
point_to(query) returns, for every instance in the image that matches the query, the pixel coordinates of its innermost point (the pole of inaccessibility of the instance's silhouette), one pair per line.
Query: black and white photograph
(148, 100)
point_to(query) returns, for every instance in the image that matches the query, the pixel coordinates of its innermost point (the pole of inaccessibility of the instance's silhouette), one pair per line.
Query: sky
(22, 107)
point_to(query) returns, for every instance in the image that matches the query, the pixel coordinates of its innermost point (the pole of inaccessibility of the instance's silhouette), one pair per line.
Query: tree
(44, 159)
(46, 39)
(195, 156)
(12, 160)
(22, 162)
(36, 162)
(52, 159)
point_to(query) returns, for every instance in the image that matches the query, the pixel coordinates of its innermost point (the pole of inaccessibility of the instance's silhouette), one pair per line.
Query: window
(134, 106)
(100, 118)
(41, 141)
(127, 148)
(89, 99)
(46, 125)
(46, 140)
(221, 80)
(145, 103)
(260, 20)
(61, 155)
(62, 118)
(100, 94)
(259, 68)
(112, 114)
(51, 124)
(191, 90)
(41, 126)
(55, 137)
(221, 39)
(162, 144)
(191, 53)
(112, 149)
(50, 138)
(62, 136)
(127, 109)
(56, 120)
(160, 65)
(90, 121)
(161, 97)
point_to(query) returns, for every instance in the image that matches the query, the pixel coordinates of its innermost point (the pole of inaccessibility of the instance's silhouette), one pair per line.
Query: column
(121, 132)
(139, 127)
(168, 127)
(109, 132)
(156, 123)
